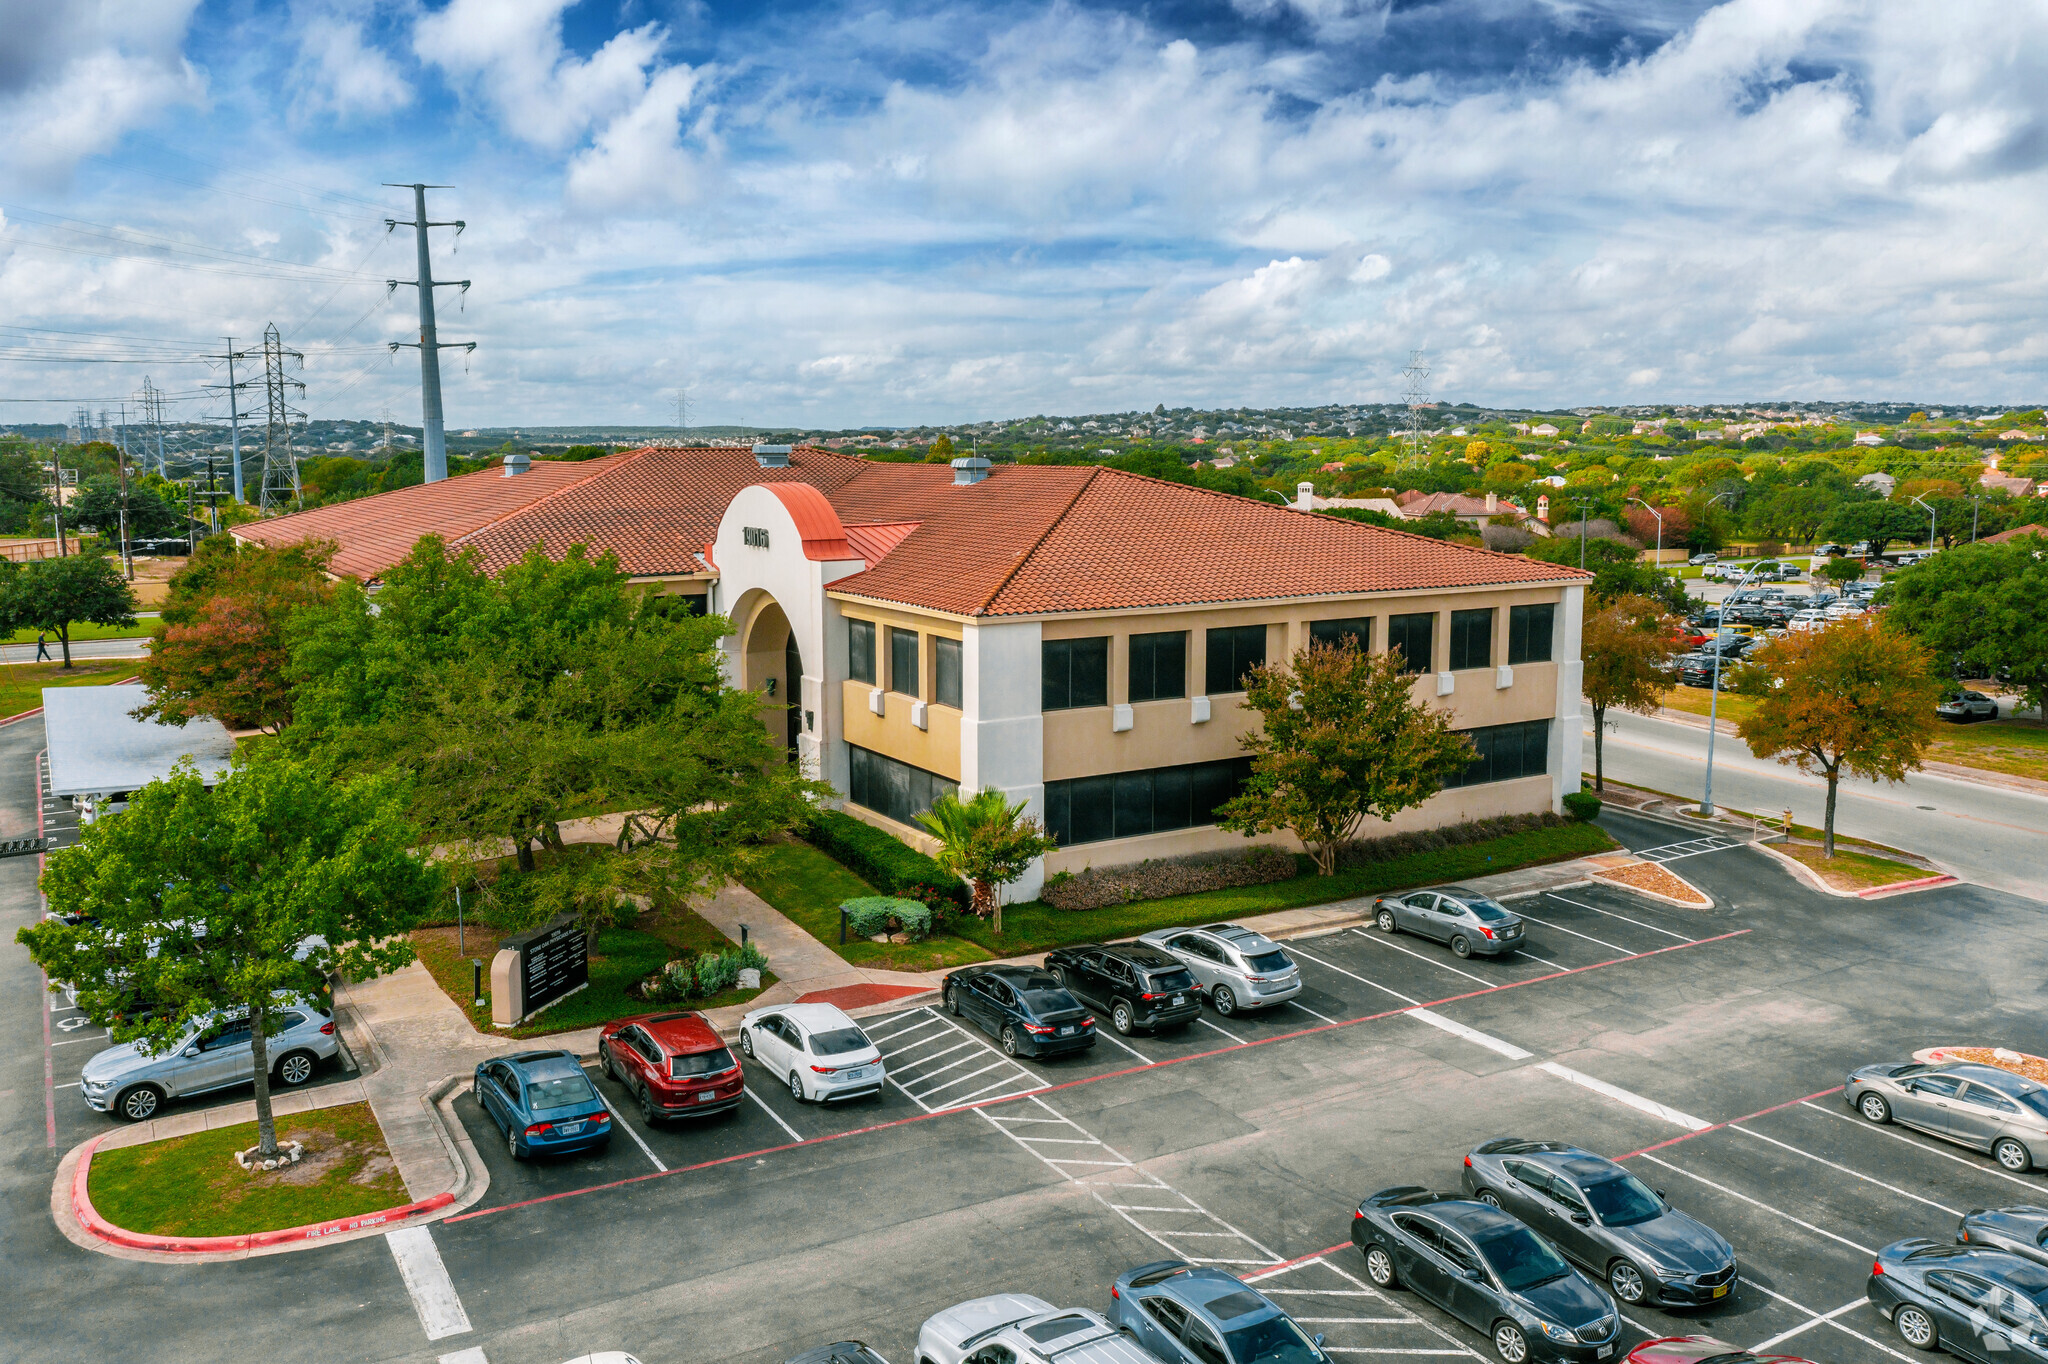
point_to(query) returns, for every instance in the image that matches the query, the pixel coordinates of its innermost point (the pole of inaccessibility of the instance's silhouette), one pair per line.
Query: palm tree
(986, 842)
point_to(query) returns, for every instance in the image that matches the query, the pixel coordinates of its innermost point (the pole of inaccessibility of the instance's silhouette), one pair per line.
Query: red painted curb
(1921, 884)
(89, 1218)
(23, 716)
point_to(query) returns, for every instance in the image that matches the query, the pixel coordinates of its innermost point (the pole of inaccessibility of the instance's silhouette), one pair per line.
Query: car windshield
(1623, 1202)
(566, 1092)
(702, 1063)
(1521, 1261)
(838, 1041)
(1275, 960)
(1489, 910)
(1276, 1340)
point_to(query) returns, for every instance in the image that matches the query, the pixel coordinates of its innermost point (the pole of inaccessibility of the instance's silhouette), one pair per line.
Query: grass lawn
(21, 684)
(808, 887)
(191, 1186)
(140, 630)
(2018, 748)
(1848, 870)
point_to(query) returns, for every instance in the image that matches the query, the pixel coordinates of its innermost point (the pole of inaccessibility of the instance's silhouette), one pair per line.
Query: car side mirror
(1582, 1219)
(192, 1050)
(1320, 1338)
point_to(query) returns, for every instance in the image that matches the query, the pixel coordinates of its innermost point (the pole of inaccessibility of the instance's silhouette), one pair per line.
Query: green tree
(198, 901)
(1983, 607)
(219, 647)
(1856, 697)
(151, 516)
(1343, 738)
(1843, 570)
(56, 594)
(987, 842)
(1624, 648)
(941, 451)
(1879, 523)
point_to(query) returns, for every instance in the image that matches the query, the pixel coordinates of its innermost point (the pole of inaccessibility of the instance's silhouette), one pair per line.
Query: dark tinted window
(1159, 666)
(1529, 633)
(1233, 652)
(1231, 1306)
(892, 788)
(946, 672)
(1276, 960)
(1175, 979)
(2036, 1099)
(903, 661)
(1414, 636)
(1155, 800)
(702, 1063)
(1623, 1202)
(1076, 673)
(1488, 910)
(860, 651)
(1471, 639)
(1047, 1331)
(839, 1041)
(1046, 999)
(1506, 752)
(1276, 1340)
(1521, 1261)
(1355, 631)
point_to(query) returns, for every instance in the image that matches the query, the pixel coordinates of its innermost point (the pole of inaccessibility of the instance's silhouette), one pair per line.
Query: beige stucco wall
(936, 748)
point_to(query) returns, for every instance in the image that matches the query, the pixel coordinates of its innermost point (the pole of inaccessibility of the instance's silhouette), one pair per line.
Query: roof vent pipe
(973, 469)
(772, 456)
(517, 464)
(1305, 496)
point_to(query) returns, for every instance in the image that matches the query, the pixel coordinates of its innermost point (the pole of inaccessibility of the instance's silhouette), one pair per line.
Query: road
(80, 648)
(1988, 834)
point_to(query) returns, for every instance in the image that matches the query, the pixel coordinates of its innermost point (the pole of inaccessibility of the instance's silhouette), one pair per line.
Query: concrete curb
(1900, 887)
(1815, 881)
(1658, 896)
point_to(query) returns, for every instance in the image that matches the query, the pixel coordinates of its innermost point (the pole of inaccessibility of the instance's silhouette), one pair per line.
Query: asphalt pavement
(80, 648)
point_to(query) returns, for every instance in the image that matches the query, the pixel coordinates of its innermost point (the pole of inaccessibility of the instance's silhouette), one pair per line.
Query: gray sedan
(215, 1054)
(2020, 1230)
(1472, 923)
(1236, 967)
(1981, 1107)
(1599, 1214)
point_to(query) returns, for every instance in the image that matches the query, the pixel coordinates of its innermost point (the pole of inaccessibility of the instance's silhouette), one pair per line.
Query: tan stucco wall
(936, 749)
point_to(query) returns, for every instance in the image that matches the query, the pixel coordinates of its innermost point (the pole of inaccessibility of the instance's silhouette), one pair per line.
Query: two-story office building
(1074, 636)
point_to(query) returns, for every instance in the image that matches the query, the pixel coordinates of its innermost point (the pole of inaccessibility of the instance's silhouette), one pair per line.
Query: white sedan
(1016, 1328)
(815, 1049)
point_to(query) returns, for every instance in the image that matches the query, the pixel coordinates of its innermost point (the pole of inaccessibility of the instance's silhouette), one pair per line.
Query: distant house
(2015, 533)
(1225, 461)
(1884, 483)
(1333, 468)
(2006, 483)
(1552, 480)
(1305, 499)
(1546, 429)
(1868, 438)
(1711, 433)
(1471, 511)
(2012, 435)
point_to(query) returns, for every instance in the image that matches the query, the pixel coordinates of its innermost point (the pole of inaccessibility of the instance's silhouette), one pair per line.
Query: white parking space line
(426, 1278)
(1756, 1203)
(1923, 1146)
(1110, 1036)
(1430, 961)
(1473, 1035)
(627, 1128)
(1691, 847)
(1623, 917)
(794, 1135)
(1311, 1012)
(69, 1040)
(1853, 1174)
(907, 1072)
(1829, 1319)
(473, 1355)
(1225, 1031)
(1820, 1320)
(1360, 979)
(1623, 1096)
(1576, 934)
(1355, 1287)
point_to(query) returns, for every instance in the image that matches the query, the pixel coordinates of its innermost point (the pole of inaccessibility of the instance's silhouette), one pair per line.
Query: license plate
(1067, 1031)
(570, 1129)
(707, 1096)
(1720, 1290)
(857, 1074)
(1605, 1352)
(1180, 999)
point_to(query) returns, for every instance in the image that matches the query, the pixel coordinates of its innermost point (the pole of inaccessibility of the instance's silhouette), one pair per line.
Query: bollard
(842, 927)
(476, 981)
(743, 935)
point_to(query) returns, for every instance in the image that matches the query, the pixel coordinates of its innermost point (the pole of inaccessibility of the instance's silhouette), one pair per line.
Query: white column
(1568, 741)
(1002, 729)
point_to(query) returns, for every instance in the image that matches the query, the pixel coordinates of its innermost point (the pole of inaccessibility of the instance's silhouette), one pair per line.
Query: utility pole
(1417, 397)
(57, 500)
(127, 554)
(280, 465)
(233, 390)
(433, 437)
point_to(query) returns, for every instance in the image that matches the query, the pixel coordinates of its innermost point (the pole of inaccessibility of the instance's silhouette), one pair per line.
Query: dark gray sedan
(1984, 1305)
(1981, 1107)
(1490, 1272)
(1473, 924)
(2020, 1230)
(1602, 1216)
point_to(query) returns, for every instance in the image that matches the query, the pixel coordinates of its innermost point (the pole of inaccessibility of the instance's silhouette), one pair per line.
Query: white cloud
(342, 74)
(511, 55)
(74, 77)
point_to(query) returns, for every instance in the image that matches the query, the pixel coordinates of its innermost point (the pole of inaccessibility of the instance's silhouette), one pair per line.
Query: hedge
(867, 915)
(1583, 805)
(1098, 887)
(883, 861)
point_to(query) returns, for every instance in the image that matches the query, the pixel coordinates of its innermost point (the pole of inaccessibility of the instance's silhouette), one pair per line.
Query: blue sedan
(544, 1104)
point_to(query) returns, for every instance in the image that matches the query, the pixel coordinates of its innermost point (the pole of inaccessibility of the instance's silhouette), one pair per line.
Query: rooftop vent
(517, 464)
(772, 456)
(973, 469)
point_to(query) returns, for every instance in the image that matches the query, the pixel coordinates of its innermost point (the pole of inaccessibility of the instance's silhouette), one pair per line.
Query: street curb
(1659, 896)
(1924, 883)
(23, 716)
(1814, 881)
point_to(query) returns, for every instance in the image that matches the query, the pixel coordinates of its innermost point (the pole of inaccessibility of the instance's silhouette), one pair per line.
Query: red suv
(672, 1064)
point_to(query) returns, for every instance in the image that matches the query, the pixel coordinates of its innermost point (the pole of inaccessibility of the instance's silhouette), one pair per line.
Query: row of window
(904, 673)
(888, 787)
(1506, 752)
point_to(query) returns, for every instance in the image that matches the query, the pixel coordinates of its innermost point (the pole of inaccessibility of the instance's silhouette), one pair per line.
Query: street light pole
(1714, 700)
(1660, 527)
(1930, 524)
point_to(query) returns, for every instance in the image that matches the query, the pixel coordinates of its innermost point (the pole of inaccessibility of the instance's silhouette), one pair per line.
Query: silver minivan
(1235, 967)
(214, 1053)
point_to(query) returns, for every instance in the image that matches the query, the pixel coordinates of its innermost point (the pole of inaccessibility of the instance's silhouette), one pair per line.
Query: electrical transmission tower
(152, 399)
(280, 465)
(682, 409)
(433, 437)
(1417, 398)
(233, 388)
(83, 419)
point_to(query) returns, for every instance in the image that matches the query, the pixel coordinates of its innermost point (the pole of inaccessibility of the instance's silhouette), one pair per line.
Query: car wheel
(649, 1114)
(1224, 1000)
(2012, 1155)
(1010, 1047)
(796, 1086)
(1489, 1198)
(1510, 1344)
(747, 1042)
(1121, 1018)
(1460, 947)
(512, 1144)
(140, 1103)
(1915, 1327)
(1626, 1281)
(1873, 1107)
(1059, 973)
(295, 1069)
(604, 1058)
(1385, 921)
(1379, 1267)
(952, 1001)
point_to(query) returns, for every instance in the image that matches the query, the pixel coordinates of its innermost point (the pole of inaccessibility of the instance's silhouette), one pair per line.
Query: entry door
(793, 689)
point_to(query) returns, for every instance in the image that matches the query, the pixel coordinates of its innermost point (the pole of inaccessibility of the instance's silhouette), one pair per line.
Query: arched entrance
(772, 664)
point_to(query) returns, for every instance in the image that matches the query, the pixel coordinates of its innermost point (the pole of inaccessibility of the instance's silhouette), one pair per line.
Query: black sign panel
(553, 960)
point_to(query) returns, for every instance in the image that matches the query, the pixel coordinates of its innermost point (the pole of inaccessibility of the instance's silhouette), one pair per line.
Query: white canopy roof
(96, 748)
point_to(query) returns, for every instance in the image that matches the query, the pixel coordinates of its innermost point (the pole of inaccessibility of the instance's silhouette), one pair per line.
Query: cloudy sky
(842, 213)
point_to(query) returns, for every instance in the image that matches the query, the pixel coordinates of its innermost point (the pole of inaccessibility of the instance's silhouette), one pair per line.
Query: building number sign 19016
(757, 536)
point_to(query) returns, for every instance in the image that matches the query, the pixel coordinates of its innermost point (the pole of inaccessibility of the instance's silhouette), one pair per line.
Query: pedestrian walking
(42, 647)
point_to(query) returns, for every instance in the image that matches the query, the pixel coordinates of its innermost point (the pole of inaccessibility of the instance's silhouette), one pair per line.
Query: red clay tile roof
(1024, 541)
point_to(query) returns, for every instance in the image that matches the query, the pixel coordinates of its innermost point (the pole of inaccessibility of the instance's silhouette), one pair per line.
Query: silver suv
(213, 1054)
(1235, 967)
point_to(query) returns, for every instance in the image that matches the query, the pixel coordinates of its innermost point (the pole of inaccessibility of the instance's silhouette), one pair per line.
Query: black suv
(1140, 987)
(1697, 669)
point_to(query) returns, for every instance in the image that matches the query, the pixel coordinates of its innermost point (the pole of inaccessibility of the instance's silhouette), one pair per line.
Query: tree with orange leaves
(1624, 649)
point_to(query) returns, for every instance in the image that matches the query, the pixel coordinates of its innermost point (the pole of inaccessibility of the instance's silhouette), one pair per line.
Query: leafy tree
(196, 902)
(1880, 523)
(1343, 739)
(1841, 570)
(1982, 606)
(941, 451)
(219, 648)
(56, 594)
(151, 516)
(986, 842)
(1624, 647)
(1855, 696)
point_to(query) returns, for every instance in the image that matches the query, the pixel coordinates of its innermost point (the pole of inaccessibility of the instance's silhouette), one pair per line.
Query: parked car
(543, 1103)
(1963, 706)
(1981, 1107)
(839, 1352)
(816, 1050)
(1016, 1328)
(1185, 1314)
(1141, 988)
(2020, 1230)
(1470, 922)
(1489, 1271)
(214, 1053)
(1979, 1304)
(1232, 965)
(1698, 559)
(1602, 1216)
(1701, 1350)
(673, 1064)
(1026, 1009)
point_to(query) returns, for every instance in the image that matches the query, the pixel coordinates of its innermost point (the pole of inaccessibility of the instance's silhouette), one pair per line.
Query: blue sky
(838, 213)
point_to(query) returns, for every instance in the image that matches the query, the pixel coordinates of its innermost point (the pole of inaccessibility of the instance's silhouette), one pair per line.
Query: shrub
(1365, 851)
(882, 860)
(712, 973)
(1098, 887)
(1582, 805)
(871, 914)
